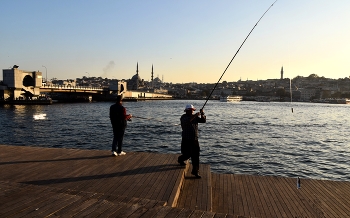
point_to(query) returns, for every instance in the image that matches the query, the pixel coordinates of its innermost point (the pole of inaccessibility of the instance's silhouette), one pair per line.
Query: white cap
(190, 107)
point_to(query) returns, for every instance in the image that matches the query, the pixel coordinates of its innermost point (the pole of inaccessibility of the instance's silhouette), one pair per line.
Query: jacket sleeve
(126, 116)
(202, 119)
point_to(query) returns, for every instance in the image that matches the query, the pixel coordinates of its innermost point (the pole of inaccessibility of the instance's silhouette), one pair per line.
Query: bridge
(19, 85)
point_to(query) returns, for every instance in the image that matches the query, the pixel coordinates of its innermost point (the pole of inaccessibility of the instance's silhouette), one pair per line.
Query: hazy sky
(185, 40)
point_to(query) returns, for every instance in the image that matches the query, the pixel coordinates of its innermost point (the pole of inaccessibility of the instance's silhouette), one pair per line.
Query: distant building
(21, 84)
(135, 83)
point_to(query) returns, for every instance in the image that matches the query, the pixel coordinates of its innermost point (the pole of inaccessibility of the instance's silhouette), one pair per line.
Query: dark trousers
(190, 149)
(117, 139)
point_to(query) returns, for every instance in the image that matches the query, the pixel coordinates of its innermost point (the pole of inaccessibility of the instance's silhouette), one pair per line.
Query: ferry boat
(231, 98)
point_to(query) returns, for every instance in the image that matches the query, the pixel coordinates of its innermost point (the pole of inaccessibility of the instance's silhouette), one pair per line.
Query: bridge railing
(67, 87)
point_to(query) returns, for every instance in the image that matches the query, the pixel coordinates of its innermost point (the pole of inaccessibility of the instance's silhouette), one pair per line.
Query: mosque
(140, 89)
(136, 83)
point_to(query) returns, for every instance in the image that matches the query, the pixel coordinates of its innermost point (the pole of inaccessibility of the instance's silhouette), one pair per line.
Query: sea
(288, 139)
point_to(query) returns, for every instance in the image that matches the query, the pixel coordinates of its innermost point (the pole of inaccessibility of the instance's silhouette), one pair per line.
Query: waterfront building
(21, 84)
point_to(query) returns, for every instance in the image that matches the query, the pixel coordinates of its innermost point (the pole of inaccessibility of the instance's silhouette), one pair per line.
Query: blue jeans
(117, 140)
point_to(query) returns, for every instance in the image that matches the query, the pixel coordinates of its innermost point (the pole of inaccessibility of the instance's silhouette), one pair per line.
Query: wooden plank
(168, 179)
(287, 205)
(174, 213)
(185, 213)
(164, 211)
(197, 213)
(277, 190)
(208, 189)
(228, 203)
(323, 199)
(151, 212)
(21, 200)
(51, 204)
(215, 191)
(264, 198)
(257, 197)
(208, 214)
(333, 198)
(194, 195)
(156, 178)
(136, 182)
(269, 197)
(239, 195)
(299, 205)
(174, 192)
(127, 173)
(111, 210)
(100, 208)
(131, 163)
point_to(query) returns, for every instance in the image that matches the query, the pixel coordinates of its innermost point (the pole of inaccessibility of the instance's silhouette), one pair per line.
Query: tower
(152, 73)
(137, 68)
(282, 73)
(152, 76)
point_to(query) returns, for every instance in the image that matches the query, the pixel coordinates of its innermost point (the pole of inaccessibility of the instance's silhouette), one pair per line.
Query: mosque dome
(136, 77)
(157, 80)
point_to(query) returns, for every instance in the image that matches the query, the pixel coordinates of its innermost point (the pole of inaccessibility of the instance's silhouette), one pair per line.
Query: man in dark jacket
(189, 144)
(118, 117)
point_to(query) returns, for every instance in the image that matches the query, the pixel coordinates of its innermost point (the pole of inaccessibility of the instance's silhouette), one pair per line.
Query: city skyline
(184, 41)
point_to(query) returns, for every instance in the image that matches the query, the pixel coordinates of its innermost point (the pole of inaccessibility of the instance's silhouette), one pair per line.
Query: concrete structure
(117, 86)
(22, 84)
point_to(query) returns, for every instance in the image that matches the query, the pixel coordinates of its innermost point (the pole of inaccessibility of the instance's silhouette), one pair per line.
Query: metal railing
(68, 87)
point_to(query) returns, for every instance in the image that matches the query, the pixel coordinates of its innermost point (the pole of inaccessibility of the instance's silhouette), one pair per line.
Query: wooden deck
(50, 182)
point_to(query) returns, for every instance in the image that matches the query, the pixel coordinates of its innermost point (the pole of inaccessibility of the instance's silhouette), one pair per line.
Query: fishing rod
(236, 54)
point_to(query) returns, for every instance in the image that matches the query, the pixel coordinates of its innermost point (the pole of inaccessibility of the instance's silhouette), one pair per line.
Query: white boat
(231, 98)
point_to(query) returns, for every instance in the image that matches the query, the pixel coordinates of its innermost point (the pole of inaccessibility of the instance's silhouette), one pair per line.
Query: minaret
(152, 77)
(152, 73)
(282, 73)
(137, 68)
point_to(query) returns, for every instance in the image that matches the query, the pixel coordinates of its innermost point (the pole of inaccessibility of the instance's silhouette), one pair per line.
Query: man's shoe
(196, 175)
(114, 153)
(181, 163)
(122, 153)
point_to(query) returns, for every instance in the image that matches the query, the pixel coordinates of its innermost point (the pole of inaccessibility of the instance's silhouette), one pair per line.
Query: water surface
(258, 138)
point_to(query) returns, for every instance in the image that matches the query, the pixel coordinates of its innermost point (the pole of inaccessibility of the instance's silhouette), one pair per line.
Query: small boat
(231, 98)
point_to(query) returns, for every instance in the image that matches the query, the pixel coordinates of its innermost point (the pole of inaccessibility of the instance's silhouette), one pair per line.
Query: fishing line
(146, 118)
(236, 54)
(161, 121)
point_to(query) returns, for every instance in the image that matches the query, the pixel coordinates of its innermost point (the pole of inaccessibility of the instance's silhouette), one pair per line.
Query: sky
(184, 40)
